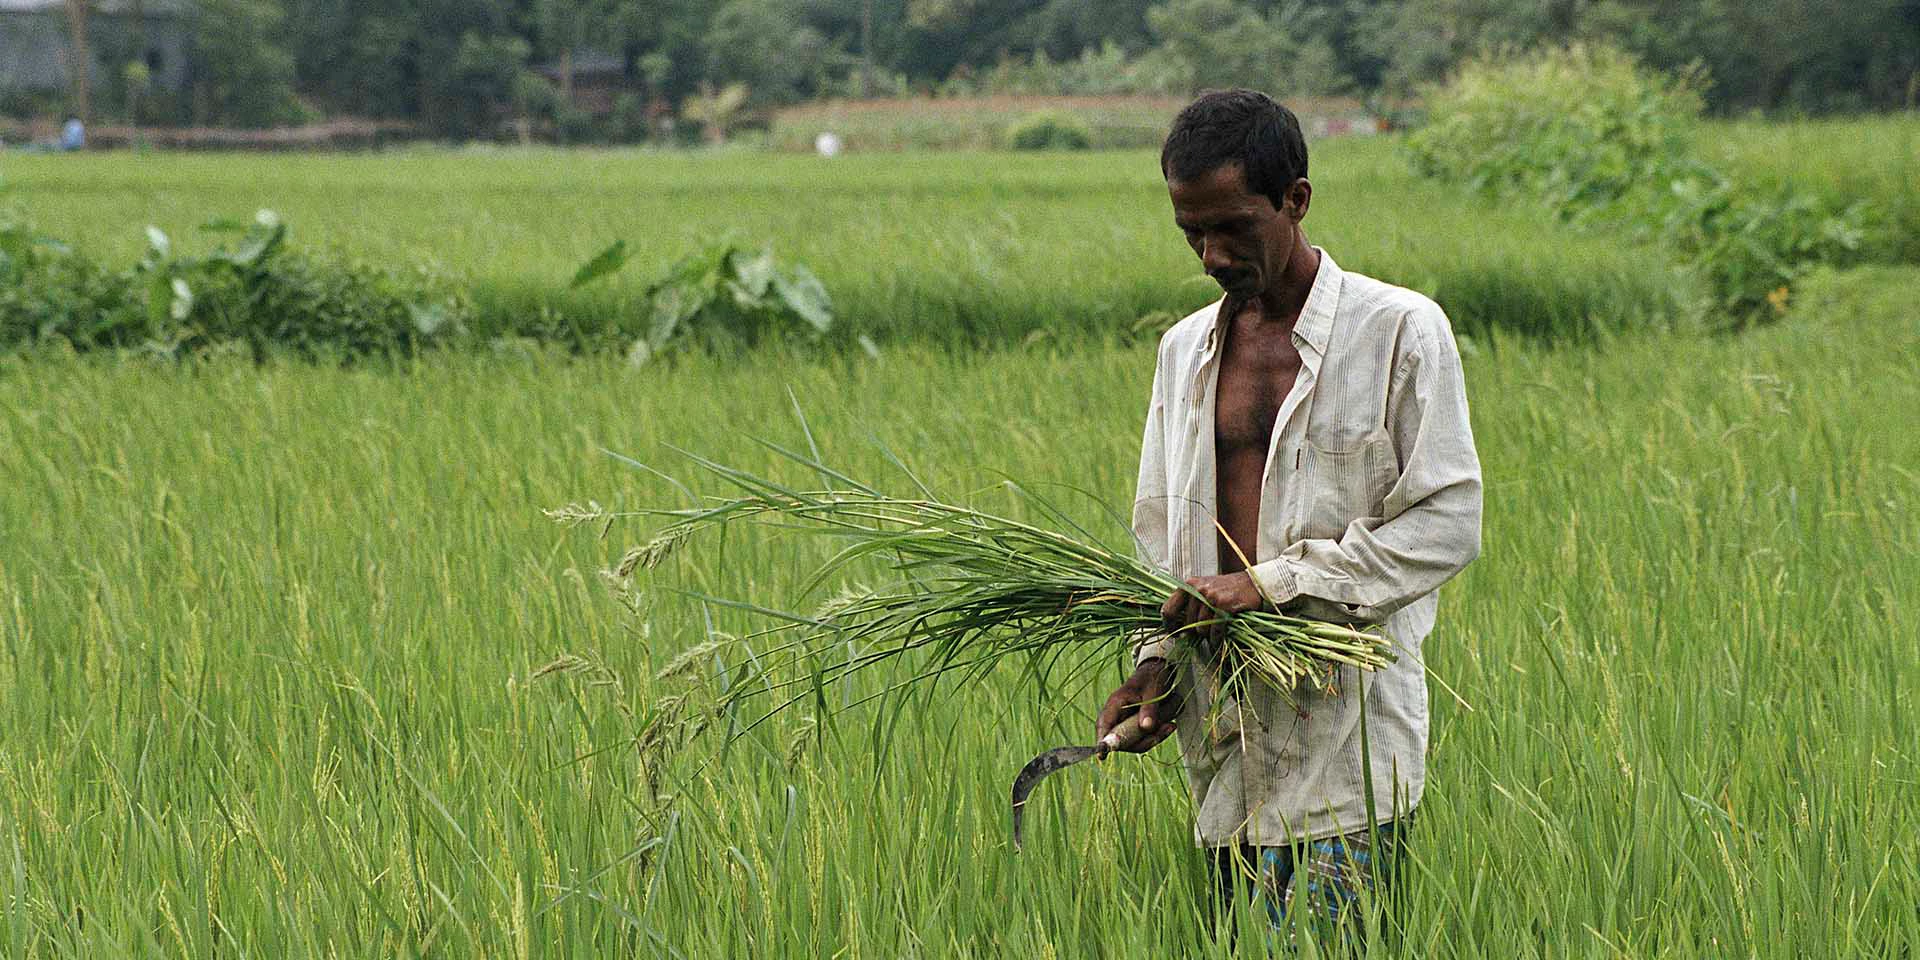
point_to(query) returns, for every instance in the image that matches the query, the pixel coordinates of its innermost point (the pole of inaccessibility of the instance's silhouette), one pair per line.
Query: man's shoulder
(1376, 304)
(1370, 297)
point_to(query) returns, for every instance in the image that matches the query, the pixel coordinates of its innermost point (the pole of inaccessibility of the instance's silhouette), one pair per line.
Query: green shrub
(1582, 127)
(48, 292)
(1049, 130)
(256, 294)
(722, 295)
(1597, 137)
(1749, 246)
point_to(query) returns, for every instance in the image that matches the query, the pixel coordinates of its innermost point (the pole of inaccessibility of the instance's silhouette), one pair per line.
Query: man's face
(1242, 241)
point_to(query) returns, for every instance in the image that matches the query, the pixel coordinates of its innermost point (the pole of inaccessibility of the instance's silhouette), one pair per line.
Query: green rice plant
(281, 652)
(972, 589)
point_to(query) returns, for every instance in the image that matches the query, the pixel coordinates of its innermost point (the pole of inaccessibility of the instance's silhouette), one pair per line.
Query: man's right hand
(1150, 692)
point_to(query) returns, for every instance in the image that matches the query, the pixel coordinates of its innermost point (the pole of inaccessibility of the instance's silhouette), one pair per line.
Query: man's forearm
(1375, 569)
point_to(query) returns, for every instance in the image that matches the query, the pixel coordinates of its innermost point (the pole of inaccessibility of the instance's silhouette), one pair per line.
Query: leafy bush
(1751, 246)
(1049, 130)
(48, 292)
(256, 293)
(722, 295)
(1582, 127)
(1597, 137)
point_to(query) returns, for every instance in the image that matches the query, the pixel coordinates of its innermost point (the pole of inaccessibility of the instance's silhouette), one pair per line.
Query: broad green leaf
(703, 267)
(753, 273)
(262, 239)
(742, 297)
(157, 241)
(159, 300)
(604, 263)
(806, 296)
(673, 306)
(429, 319)
(182, 305)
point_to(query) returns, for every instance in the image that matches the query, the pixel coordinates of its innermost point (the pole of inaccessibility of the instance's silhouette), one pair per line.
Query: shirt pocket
(1345, 481)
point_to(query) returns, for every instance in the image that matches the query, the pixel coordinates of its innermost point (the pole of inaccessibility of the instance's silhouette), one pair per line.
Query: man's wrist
(1156, 649)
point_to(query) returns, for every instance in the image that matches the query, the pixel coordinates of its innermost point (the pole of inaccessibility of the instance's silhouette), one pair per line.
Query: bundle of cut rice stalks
(971, 590)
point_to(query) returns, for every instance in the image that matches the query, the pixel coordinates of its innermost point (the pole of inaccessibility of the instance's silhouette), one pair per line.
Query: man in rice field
(1320, 417)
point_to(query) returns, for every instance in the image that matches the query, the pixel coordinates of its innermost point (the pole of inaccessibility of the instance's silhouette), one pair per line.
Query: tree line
(482, 68)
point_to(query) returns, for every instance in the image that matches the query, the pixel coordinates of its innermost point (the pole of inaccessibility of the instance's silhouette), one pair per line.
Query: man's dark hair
(1246, 127)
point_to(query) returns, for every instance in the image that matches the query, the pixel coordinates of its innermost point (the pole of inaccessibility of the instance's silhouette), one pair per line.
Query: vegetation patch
(1598, 138)
(258, 296)
(1049, 131)
(722, 293)
(254, 295)
(291, 635)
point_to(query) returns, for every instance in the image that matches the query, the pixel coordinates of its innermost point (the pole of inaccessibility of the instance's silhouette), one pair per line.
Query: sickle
(1060, 758)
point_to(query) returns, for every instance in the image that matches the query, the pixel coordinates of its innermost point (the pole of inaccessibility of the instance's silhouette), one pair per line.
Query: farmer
(1320, 417)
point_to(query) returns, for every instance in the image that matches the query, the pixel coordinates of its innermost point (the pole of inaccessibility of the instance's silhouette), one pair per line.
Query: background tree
(420, 60)
(482, 82)
(1228, 43)
(569, 27)
(247, 74)
(80, 58)
(765, 45)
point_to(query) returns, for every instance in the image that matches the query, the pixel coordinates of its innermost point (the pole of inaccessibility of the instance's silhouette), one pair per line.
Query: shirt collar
(1315, 325)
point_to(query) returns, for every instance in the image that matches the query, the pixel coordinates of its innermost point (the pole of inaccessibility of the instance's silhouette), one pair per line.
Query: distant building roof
(152, 8)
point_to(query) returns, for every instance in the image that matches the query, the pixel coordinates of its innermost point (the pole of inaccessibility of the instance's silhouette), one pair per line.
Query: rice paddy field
(953, 249)
(293, 664)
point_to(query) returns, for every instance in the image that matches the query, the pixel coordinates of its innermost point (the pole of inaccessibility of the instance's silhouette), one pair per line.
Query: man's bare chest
(1256, 374)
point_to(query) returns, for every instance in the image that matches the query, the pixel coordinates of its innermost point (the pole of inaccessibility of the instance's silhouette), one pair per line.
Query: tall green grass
(955, 250)
(292, 665)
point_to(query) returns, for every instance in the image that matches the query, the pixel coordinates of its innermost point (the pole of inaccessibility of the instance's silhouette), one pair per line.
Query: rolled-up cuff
(1276, 582)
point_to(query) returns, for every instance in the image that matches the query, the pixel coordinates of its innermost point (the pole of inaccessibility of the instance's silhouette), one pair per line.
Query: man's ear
(1297, 198)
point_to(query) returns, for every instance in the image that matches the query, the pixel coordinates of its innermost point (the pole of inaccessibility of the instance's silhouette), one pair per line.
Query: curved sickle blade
(1036, 770)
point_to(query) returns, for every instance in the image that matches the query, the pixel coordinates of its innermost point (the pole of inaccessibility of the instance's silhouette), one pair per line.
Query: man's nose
(1213, 255)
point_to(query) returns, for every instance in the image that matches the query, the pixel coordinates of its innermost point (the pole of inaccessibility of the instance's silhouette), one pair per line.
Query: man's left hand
(1228, 593)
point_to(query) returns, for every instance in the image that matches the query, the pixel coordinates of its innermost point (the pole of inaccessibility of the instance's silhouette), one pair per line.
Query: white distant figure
(827, 144)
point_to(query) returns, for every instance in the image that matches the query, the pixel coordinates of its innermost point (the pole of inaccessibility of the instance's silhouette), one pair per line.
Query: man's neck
(1281, 303)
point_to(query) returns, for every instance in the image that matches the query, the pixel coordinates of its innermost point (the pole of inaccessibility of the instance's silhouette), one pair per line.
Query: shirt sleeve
(1150, 505)
(1429, 529)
